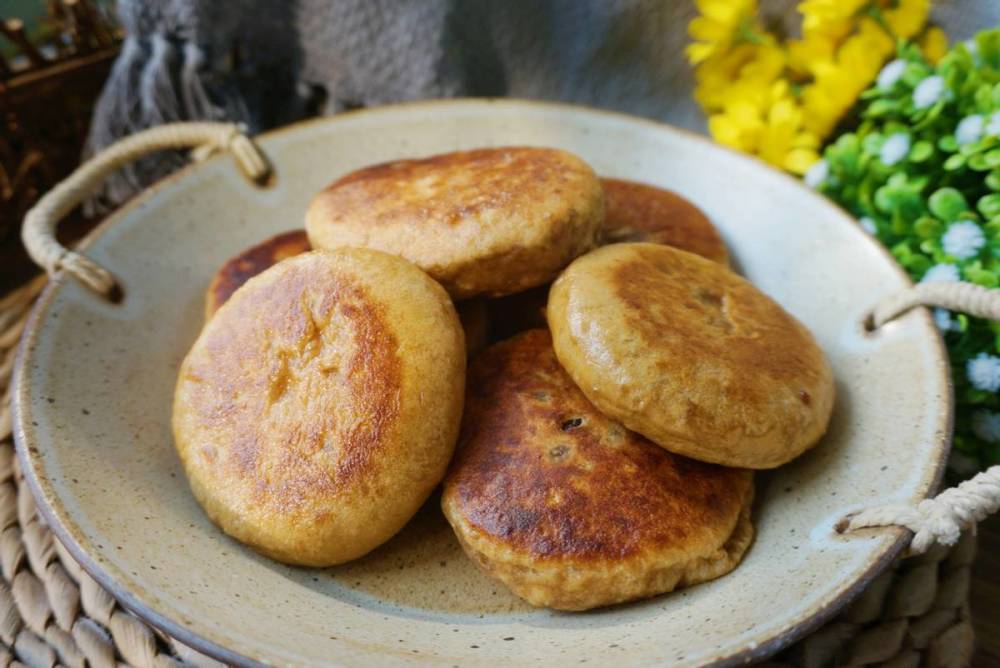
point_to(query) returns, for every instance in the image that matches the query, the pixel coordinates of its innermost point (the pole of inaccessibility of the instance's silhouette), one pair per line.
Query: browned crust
(542, 478)
(473, 182)
(241, 268)
(641, 212)
(490, 221)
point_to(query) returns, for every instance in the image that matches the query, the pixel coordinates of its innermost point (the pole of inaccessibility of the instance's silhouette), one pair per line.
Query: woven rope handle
(968, 298)
(941, 519)
(40, 223)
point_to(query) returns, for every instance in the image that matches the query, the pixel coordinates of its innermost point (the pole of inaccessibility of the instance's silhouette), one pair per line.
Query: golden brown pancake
(320, 405)
(492, 221)
(472, 313)
(475, 319)
(634, 212)
(640, 212)
(570, 509)
(241, 268)
(690, 355)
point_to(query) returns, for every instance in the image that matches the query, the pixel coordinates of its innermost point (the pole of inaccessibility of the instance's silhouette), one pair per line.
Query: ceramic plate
(95, 380)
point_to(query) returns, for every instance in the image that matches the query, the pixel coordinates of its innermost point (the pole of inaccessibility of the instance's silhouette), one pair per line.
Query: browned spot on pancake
(639, 212)
(303, 375)
(558, 479)
(446, 189)
(240, 269)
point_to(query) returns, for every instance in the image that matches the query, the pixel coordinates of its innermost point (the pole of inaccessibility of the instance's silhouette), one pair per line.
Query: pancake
(490, 222)
(634, 212)
(640, 212)
(475, 319)
(239, 269)
(319, 407)
(690, 355)
(568, 508)
(472, 313)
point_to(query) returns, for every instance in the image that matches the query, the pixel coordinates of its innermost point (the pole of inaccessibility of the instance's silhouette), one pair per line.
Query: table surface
(985, 596)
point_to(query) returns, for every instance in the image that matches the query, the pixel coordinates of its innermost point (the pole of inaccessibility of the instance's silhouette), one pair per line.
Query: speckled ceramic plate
(93, 400)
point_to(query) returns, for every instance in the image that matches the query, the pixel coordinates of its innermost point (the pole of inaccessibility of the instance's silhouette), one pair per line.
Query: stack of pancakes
(600, 450)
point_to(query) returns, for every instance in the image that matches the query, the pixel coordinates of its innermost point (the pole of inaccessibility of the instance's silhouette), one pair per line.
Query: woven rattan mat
(52, 613)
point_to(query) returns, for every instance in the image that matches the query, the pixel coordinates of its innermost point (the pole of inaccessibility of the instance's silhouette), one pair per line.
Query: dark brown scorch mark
(580, 486)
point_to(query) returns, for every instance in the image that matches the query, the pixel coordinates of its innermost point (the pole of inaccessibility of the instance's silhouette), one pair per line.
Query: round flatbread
(692, 356)
(241, 268)
(490, 221)
(320, 405)
(567, 507)
(640, 212)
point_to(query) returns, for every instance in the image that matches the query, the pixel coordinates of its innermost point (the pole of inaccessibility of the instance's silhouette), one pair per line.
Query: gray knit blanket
(265, 63)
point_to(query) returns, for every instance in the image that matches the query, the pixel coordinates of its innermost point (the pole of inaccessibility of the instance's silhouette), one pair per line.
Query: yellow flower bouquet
(779, 98)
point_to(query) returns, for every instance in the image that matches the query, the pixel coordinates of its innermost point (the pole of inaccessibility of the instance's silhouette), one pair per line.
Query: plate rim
(33, 473)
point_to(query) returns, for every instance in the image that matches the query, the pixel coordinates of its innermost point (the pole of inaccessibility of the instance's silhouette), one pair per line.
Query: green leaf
(882, 108)
(918, 265)
(976, 274)
(921, 151)
(989, 205)
(947, 203)
(954, 162)
(871, 144)
(928, 228)
(993, 180)
(983, 98)
(931, 246)
(948, 143)
(993, 158)
(978, 162)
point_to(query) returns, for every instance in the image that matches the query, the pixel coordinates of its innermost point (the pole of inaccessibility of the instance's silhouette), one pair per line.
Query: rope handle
(40, 223)
(941, 519)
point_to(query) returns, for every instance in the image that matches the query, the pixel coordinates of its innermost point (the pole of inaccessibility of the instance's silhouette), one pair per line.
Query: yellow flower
(739, 126)
(785, 142)
(835, 19)
(715, 76)
(905, 18)
(768, 123)
(780, 100)
(748, 66)
(721, 25)
(805, 54)
(934, 44)
(839, 82)
(830, 18)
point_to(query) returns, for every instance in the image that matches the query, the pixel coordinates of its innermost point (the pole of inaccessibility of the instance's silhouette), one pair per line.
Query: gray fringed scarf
(269, 62)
